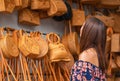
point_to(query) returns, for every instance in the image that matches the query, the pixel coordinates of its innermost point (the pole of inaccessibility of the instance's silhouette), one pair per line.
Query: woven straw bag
(18, 4)
(42, 43)
(90, 1)
(28, 46)
(57, 51)
(115, 43)
(7, 6)
(73, 43)
(43, 14)
(108, 20)
(29, 17)
(10, 50)
(116, 27)
(78, 16)
(57, 7)
(40, 4)
(26, 3)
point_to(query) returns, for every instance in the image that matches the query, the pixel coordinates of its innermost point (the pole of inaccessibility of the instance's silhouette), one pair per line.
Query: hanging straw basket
(28, 46)
(40, 4)
(57, 7)
(10, 50)
(57, 51)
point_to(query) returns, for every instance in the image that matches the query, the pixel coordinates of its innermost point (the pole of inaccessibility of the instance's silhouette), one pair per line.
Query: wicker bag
(18, 4)
(9, 48)
(42, 43)
(25, 3)
(57, 7)
(116, 27)
(90, 1)
(7, 6)
(73, 43)
(29, 17)
(108, 20)
(78, 16)
(40, 4)
(43, 14)
(57, 51)
(28, 46)
(115, 43)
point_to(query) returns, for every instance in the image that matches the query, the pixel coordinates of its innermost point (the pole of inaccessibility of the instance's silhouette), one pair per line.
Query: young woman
(91, 65)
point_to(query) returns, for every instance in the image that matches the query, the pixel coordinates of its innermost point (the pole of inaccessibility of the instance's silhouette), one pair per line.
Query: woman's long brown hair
(94, 36)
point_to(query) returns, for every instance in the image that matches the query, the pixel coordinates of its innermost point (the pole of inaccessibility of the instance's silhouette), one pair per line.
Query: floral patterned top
(86, 71)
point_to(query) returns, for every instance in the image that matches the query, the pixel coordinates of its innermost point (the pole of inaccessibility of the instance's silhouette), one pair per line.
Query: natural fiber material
(29, 17)
(9, 49)
(78, 17)
(7, 6)
(57, 51)
(116, 27)
(53, 38)
(90, 1)
(110, 3)
(42, 43)
(28, 46)
(57, 7)
(108, 20)
(40, 4)
(73, 43)
(117, 61)
(18, 3)
(115, 43)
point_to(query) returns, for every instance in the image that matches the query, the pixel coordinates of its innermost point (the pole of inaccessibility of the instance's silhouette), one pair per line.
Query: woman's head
(93, 35)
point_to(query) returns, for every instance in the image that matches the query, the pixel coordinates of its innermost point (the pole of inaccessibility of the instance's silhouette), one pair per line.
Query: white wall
(46, 26)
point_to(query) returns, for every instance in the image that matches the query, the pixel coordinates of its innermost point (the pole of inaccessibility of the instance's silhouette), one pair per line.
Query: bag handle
(109, 70)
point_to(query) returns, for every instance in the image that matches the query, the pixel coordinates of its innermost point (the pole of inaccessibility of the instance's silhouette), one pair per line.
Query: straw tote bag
(78, 16)
(7, 6)
(57, 7)
(18, 4)
(42, 43)
(40, 4)
(108, 20)
(26, 3)
(29, 17)
(116, 27)
(57, 51)
(28, 46)
(10, 50)
(115, 43)
(90, 1)
(73, 43)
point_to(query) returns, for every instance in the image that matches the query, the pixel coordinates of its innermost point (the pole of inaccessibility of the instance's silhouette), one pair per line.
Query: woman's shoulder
(89, 55)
